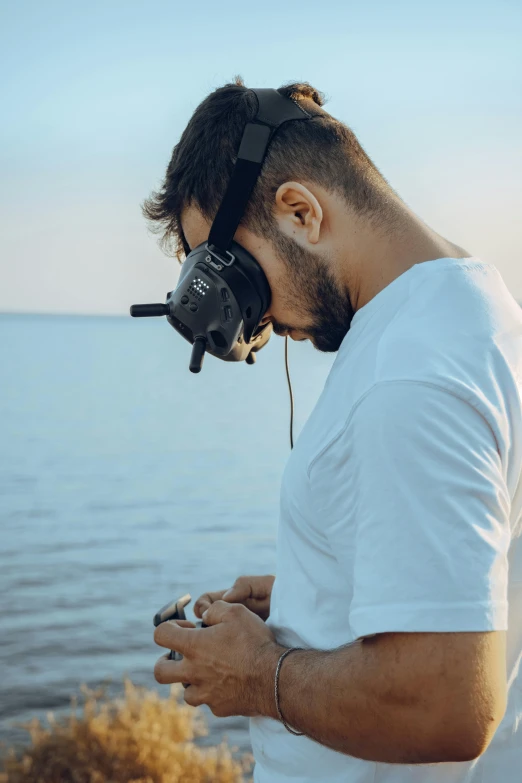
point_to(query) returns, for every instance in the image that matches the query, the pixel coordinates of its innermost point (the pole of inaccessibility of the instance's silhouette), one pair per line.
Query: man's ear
(298, 212)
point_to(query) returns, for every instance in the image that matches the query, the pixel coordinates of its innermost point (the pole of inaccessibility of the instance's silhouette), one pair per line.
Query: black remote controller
(175, 610)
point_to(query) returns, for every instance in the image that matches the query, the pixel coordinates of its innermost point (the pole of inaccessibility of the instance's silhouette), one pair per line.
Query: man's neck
(376, 258)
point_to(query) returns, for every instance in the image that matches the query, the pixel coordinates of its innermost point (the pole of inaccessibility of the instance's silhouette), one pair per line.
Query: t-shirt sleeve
(414, 504)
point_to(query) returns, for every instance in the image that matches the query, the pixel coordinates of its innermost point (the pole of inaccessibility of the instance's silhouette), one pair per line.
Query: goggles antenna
(198, 354)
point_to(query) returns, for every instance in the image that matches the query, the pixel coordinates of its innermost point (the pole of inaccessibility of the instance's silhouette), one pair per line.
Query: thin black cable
(291, 395)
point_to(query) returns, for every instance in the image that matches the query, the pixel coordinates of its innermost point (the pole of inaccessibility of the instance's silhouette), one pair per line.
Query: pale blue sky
(95, 95)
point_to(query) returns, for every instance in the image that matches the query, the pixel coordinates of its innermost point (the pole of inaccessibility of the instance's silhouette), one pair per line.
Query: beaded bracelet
(280, 661)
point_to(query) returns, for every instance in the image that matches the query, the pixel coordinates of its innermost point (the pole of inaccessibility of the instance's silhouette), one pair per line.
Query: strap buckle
(219, 257)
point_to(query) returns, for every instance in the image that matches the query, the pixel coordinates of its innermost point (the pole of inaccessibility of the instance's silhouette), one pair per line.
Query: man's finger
(240, 591)
(247, 588)
(193, 696)
(205, 600)
(172, 635)
(167, 671)
(184, 623)
(221, 611)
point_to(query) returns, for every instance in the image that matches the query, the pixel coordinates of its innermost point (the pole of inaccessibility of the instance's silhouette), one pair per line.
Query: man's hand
(252, 591)
(230, 665)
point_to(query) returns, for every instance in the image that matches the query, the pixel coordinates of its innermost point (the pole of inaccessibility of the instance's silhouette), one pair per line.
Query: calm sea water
(126, 481)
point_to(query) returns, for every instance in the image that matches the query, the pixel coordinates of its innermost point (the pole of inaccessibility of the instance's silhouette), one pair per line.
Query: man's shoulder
(459, 330)
(452, 328)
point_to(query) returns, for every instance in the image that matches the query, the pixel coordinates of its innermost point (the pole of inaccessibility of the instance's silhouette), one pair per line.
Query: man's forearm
(355, 702)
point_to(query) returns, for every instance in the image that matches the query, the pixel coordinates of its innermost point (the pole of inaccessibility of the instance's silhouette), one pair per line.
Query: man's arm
(404, 698)
(401, 697)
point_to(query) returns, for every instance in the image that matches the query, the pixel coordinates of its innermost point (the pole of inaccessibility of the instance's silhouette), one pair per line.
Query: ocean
(125, 482)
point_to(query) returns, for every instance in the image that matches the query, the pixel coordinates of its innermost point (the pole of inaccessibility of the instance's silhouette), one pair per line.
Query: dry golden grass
(140, 738)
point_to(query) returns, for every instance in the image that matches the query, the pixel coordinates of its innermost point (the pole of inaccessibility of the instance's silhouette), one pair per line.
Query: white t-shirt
(401, 503)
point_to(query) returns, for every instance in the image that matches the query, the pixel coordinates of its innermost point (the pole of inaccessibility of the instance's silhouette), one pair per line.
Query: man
(399, 554)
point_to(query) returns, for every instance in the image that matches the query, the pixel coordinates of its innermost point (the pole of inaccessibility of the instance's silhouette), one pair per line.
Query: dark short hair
(323, 151)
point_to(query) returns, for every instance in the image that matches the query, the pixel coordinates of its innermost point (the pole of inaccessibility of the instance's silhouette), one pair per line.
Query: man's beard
(313, 292)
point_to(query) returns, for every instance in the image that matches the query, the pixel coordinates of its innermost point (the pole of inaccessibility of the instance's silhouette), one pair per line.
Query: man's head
(316, 182)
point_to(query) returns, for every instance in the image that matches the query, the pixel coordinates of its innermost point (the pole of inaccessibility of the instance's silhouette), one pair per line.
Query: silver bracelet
(280, 661)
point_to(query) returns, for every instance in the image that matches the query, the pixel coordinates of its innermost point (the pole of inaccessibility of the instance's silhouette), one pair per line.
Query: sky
(95, 95)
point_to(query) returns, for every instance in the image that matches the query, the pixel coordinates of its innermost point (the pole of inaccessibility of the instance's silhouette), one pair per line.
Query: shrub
(139, 738)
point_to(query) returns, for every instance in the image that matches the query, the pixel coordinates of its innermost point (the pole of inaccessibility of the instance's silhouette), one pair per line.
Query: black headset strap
(273, 110)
